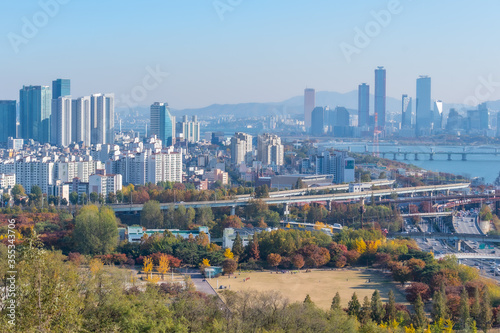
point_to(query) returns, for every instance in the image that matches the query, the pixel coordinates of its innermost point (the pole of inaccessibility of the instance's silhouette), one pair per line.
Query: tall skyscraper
(423, 105)
(81, 130)
(61, 121)
(102, 122)
(8, 117)
(318, 120)
(406, 112)
(61, 87)
(438, 115)
(309, 105)
(380, 96)
(34, 113)
(162, 123)
(363, 105)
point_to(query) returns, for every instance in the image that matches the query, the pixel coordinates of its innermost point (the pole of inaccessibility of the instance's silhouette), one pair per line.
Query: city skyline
(257, 68)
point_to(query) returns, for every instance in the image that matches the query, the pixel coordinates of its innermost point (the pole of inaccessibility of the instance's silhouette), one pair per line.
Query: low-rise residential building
(135, 233)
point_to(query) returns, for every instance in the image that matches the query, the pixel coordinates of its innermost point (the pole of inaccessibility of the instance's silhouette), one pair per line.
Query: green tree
(36, 195)
(439, 307)
(464, 310)
(205, 217)
(93, 197)
(308, 300)
(18, 190)
(119, 196)
(475, 309)
(49, 300)
(377, 308)
(391, 307)
(238, 248)
(419, 318)
(73, 198)
(485, 213)
(366, 312)
(353, 307)
(96, 230)
(336, 302)
(151, 215)
(485, 316)
(262, 191)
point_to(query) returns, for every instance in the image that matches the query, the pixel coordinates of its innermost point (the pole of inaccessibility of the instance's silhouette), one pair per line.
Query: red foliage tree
(298, 261)
(418, 288)
(352, 257)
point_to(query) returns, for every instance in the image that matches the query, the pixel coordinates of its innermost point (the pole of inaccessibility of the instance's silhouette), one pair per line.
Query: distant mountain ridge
(295, 106)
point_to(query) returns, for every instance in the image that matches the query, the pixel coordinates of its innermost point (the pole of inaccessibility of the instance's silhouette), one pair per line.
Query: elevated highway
(446, 236)
(470, 256)
(326, 198)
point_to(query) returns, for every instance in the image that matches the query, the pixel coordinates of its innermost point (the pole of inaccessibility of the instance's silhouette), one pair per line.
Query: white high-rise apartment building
(32, 172)
(81, 114)
(66, 171)
(102, 123)
(147, 167)
(61, 121)
(270, 151)
(241, 148)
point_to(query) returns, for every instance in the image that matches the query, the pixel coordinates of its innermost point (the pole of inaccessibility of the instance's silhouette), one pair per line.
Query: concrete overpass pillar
(416, 157)
(405, 158)
(449, 157)
(394, 157)
(233, 210)
(458, 245)
(431, 157)
(464, 157)
(329, 205)
(286, 212)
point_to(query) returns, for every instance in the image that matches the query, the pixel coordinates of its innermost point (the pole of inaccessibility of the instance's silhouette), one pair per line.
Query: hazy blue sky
(260, 51)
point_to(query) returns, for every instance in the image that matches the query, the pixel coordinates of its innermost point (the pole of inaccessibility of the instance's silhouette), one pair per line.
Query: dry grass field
(320, 285)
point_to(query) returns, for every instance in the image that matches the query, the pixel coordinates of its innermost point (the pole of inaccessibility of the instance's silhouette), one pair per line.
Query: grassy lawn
(320, 285)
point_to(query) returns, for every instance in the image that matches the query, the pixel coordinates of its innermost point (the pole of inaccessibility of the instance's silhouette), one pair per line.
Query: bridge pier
(449, 157)
(233, 210)
(329, 205)
(431, 157)
(286, 212)
(383, 155)
(416, 157)
(464, 157)
(394, 157)
(405, 158)
(458, 245)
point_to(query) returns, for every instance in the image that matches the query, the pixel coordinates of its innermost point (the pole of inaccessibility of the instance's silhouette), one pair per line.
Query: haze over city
(250, 51)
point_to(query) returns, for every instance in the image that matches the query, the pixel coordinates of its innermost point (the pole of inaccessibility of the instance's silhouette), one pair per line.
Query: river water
(486, 165)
